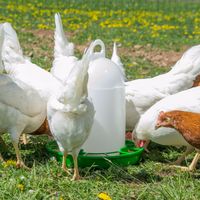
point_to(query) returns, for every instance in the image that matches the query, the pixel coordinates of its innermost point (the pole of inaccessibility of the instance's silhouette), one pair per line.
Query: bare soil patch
(158, 57)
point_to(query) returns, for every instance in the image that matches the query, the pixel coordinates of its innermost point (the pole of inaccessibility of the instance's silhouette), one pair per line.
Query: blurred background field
(151, 36)
(162, 23)
(142, 28)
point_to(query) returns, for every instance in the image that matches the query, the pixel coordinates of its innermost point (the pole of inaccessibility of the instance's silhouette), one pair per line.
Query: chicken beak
(157, 126)
(140, 143)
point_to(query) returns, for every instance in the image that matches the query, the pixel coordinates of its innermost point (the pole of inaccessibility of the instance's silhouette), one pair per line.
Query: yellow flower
(104, 196)
(20, 187)
(43, 26)
(9, 163)
(134, 30)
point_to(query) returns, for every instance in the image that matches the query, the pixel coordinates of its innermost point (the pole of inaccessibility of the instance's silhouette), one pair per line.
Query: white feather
(117, 60)
(188, 100)
(62, 46)
(13, 52)
(21, 107)
(64, 59)
(145, 92)
(23, 69)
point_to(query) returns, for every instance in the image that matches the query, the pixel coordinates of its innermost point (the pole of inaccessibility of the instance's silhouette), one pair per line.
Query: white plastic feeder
(107, 92)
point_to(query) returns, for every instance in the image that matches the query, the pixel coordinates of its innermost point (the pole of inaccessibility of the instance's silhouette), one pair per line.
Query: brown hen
(187, 124)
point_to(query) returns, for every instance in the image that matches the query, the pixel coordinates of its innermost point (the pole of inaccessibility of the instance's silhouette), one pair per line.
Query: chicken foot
(20, 163)
(76, 175)
(64, 166)
(193, 164)
(188, 150)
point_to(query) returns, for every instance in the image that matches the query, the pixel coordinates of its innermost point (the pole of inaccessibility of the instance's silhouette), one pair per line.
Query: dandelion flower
(104, 196)
(20, 187)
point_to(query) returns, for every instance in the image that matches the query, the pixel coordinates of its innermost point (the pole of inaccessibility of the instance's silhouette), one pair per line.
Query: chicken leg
(64, 167)
(24, 139)
(188, 150)
(20, 162)
(193, 164)
(76, 175)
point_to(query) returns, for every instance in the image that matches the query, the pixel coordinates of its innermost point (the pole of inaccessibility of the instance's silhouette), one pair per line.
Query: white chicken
(23, 69)
(188, 100)
(141, 94)
(21, 107)
(117, 60)
(64, 59)
(70, 113)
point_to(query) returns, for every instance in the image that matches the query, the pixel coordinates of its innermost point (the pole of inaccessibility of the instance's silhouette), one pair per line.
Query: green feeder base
(127, 155)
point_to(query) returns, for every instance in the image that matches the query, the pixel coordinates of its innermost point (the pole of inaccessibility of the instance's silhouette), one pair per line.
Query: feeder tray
(128, 155)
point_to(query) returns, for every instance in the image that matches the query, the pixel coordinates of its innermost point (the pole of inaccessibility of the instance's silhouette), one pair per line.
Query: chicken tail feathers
(116, 59)
(12, 52)
(62, 46)
(76, 85)
(189, 63)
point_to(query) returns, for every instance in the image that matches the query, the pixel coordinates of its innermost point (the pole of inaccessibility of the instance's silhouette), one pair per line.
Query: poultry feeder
(127, 155)
(106, 142)
(107, 93)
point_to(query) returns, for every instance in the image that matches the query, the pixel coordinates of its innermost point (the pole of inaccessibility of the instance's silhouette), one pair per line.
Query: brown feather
(186, 123)
(44, 129)
(196, 81)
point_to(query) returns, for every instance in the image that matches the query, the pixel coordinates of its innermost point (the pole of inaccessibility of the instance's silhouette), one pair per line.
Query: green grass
(153, 178)
(164, 24)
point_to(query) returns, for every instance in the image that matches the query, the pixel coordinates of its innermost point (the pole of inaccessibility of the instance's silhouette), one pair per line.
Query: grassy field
(151, 37)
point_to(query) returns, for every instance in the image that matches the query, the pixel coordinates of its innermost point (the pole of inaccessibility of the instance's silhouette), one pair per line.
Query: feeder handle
(95, 43)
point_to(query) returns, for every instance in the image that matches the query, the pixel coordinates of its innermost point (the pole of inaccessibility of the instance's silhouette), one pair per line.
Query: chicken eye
(167, 119)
